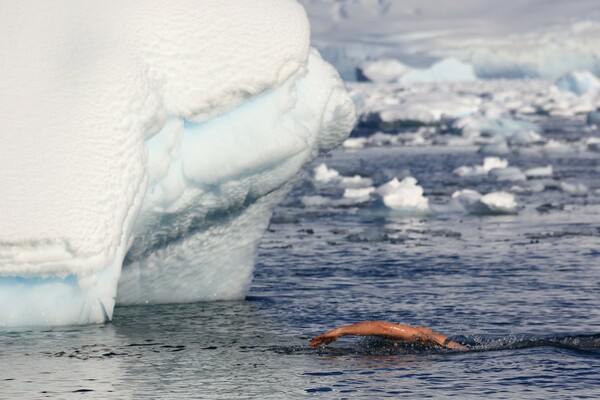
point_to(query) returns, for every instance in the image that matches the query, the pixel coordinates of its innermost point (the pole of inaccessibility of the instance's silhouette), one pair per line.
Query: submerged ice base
(157, 151)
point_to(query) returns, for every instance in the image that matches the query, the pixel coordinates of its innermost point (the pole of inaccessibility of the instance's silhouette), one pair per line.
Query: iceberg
(404, 196)
(145, 145)
(509, 39)
(381, 71)
(579, 82)
(446, 70)
(495, 203)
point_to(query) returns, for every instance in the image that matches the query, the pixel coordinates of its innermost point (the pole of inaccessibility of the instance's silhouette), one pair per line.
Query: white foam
(155, 136)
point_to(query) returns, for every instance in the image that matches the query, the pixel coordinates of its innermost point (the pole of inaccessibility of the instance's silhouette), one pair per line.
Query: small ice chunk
(405, 196)
(539, 172)
(323, 174)
(555, 147)
(489, 163)
(529, 187)
(492, 203)
(577, 188)
(593, 118)
(382, 70)
(446, 70)
(315, 201)
(578, 82)
(593, 144)
(359, 194)
(500, 202)
(467, 198)
(355, 181)
(523, 138)
(354, 143)
(498, 148)
(508, 174)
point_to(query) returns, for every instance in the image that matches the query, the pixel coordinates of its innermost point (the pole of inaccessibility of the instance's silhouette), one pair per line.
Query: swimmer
(411, 334)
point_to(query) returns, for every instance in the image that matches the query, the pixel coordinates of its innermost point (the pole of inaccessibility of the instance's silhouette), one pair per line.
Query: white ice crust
(152, 139)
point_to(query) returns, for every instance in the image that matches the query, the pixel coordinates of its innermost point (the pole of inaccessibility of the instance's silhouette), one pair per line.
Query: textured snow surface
(158, 134)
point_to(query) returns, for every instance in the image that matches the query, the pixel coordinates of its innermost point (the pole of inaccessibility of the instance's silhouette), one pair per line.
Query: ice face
(154, 137)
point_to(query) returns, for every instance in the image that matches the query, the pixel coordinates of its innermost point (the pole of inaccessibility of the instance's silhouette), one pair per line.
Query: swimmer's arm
(394, 331)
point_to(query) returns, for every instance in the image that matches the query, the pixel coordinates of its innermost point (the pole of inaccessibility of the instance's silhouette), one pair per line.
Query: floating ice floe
(492, 203)
(489, 163)
(142, 157)
(355, 143)
(528, 187)
(324, 174)
(556, 147)
(508, 174)
(592, 144)
(351, 197)
(513, 131)
(539, 172)
(383, 70)
(579, 82)
(510, 44)
(404, 196)
(390, 70)
(355, 181)
(574, 188)
(423, 108)
(446, 70)
(359, 194)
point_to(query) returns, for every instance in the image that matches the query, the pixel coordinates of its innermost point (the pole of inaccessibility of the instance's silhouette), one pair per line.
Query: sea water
(521, 290)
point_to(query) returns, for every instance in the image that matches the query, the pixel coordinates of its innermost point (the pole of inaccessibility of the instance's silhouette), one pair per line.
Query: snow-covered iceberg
(508, 39)
(144, 146)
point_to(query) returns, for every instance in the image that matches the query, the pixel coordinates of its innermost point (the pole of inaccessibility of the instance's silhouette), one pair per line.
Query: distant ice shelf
(508, 39)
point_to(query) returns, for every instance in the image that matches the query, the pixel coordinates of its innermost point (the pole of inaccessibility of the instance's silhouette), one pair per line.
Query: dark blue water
(521, 290)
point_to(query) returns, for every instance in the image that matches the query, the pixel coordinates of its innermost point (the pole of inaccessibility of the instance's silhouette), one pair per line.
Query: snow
(141, 142)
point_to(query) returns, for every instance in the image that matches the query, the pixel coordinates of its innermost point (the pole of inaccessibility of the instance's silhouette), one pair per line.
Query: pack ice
(144, 145)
